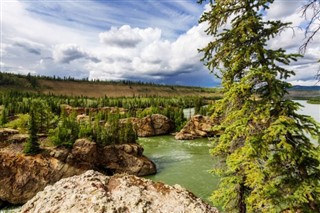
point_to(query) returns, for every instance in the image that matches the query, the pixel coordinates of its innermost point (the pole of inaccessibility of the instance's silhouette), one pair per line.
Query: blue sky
(126, 39)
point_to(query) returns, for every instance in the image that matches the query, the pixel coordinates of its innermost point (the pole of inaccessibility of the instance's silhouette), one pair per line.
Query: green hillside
(73, 87)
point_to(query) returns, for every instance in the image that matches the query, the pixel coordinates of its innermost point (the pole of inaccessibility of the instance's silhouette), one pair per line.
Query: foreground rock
(151, 125)
(197, 127)
(95, 192)
(21, 176)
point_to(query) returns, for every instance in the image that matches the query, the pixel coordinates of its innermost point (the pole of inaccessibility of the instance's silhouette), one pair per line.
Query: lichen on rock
(95, 192)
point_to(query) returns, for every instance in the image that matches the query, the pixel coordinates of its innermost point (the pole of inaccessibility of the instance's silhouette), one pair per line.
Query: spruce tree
(4, 116)
(31, 147)
(130, 136)
(266, 160)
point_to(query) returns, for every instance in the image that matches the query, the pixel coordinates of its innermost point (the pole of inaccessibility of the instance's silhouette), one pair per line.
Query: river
(187, 163)
(310, 109)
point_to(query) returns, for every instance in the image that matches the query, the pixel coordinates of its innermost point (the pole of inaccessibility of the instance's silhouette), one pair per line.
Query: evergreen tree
(31, 147)
(197, 105)
(113, 130)
(43, 115)
(67, 131)
(266, 161)
(130, 136)
(4, 116)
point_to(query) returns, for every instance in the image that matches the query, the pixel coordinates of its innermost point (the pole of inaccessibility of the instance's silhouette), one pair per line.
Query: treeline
(32, 81)
(19, 102)
(314, 100)
(10, 79)
(64, 119)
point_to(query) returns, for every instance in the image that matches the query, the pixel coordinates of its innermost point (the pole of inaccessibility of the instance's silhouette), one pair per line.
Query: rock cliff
(21, 176)
(151, 125)
(6, 134)
(198, 126)
(95, 192)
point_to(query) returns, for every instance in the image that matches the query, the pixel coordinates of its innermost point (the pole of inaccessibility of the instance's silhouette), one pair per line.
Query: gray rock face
(95, 192)
(198, 126)
(21, 176)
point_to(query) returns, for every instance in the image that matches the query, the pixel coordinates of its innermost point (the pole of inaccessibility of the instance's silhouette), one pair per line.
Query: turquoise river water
(186, 163)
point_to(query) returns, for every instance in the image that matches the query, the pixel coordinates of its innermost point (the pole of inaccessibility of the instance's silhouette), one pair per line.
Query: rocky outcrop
(198, 126)
(122, 158)
(5, 133)
(83, 118)
(83, 110)
(11, 136)
(151, 125)
(126, 158)
(21, 176)
(18, 138)
(95, 192)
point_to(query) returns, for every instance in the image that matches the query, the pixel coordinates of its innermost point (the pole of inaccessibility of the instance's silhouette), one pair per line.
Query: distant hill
(306, 88)
(74, 87)
(304, 92)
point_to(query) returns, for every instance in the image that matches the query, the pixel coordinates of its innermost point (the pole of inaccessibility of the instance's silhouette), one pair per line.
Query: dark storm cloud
(28, 47)
(68, 53)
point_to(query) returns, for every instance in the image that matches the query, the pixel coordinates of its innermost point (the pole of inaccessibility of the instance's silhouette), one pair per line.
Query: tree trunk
(241, 201)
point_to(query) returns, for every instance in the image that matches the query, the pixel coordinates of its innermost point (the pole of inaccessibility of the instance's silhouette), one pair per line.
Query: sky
(139, 40)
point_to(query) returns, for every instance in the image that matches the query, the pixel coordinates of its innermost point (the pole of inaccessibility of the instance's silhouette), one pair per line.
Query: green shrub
(21, 123)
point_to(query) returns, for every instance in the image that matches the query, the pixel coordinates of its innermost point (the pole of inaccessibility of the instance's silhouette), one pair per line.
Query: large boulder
(95, 192)
(151, 125)
(126, 158)
(83, 150)
(22, 176)
(121, 158)
(198, 126)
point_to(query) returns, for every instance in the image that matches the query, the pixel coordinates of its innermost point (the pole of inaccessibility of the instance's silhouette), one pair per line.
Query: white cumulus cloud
(127, 37)
(154, 57)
